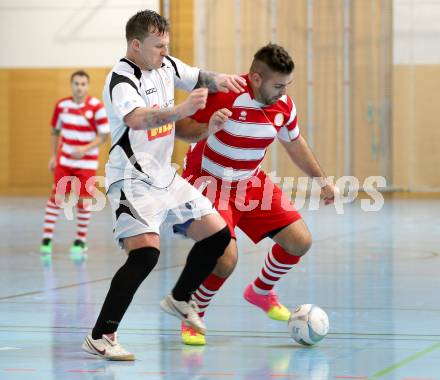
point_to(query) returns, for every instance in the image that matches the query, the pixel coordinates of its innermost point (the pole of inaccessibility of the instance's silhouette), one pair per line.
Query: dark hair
(276, 58)
(143, 23)
(80, 73)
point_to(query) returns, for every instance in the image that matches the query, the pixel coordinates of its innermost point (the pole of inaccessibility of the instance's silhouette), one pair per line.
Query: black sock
(200, 262)
(125, 282)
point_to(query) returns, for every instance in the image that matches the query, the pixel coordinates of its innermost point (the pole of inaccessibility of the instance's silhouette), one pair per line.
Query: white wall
(65, 33)
(416, 32)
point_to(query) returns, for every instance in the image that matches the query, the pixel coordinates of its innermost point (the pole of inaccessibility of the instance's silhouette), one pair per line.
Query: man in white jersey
(79, 126)
(143, 187)
(228, 164)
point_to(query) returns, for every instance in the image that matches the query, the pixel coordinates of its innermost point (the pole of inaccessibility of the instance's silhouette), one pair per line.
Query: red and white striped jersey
(79, 125)
(235, 153)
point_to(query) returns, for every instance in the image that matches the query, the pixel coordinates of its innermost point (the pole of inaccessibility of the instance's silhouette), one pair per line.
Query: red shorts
(80, 184)
(258, 209)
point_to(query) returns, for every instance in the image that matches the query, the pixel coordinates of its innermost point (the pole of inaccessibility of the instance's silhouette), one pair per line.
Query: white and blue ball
(308, 324)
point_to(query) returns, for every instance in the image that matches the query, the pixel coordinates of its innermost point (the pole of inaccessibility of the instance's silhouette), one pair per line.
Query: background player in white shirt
(144, 189)
(79, 126)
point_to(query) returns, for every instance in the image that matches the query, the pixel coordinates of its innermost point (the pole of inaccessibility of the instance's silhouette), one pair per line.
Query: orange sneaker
(268, 303)
(191, 337)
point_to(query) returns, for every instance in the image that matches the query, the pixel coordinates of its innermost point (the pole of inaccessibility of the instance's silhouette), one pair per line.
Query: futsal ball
(308, 324)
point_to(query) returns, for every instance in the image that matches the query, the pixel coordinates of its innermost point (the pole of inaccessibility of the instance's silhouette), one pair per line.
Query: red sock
(83, 217)
(278, 262)
(204, 294)
(50, 217)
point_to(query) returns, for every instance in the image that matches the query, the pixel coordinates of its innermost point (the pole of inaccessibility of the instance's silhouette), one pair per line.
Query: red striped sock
(204, 294)
(83, 217)
(278, 262)
(50, 218)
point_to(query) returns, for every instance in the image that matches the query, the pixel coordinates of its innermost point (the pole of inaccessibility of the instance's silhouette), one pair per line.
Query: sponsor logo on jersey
(159, 132)
(150, 91)
(243, 115)
(88, 114)
(279, 119)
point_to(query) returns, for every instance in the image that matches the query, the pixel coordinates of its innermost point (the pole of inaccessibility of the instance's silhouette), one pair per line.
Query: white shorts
(139, 208)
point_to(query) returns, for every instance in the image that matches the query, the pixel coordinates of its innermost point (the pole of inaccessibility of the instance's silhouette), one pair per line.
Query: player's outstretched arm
(191, 131)
(301, 154)
(147, 118)
(218, 82)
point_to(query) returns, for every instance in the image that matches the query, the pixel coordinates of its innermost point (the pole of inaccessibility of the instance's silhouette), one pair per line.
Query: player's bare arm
(216, 82)
(55, 140)
(191, 131)
(147, 118)
(301, 154)
(81, 151)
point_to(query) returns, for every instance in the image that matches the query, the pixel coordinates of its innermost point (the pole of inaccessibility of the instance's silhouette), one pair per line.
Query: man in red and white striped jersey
(79, 126)
(227, 164)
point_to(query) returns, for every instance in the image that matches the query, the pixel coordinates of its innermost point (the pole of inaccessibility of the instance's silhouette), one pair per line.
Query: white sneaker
(188, 312)
(107, 348)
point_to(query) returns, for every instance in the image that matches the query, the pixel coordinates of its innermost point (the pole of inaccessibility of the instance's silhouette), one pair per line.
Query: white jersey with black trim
(143, 154)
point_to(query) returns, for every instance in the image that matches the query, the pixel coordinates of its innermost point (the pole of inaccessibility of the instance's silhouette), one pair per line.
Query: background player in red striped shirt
(228, 165)
(79, 126)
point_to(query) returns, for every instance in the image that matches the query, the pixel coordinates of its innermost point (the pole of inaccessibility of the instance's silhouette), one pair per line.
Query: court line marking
(404, 362)
(220, 306)
(247, 334)
(76, 284)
